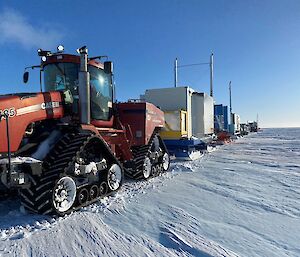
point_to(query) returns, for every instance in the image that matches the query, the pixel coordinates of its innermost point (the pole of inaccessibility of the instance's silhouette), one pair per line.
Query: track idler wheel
(94, 192)
(154, 171)
(103, 188)
(82, 196)
(147, 168)
(165, 162)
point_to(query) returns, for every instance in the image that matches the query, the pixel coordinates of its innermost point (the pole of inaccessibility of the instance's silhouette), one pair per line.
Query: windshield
(63, 76)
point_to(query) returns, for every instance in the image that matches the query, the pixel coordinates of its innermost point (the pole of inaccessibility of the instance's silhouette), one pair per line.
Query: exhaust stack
(84, 87)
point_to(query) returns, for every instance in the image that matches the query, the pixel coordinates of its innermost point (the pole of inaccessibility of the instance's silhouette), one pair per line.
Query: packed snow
(242, 199)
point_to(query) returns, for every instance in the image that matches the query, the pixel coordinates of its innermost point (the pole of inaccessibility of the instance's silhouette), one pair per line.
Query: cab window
(101, 94)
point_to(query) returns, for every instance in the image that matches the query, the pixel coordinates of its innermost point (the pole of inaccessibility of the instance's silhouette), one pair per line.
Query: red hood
(24, 109)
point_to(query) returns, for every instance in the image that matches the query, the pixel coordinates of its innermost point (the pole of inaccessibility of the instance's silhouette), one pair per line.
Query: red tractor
(68, 145)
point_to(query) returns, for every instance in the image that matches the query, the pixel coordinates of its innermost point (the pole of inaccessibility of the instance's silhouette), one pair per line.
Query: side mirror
(25, 76)
(108, 67)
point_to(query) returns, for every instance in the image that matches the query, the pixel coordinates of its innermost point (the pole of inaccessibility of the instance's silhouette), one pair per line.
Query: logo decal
(49, 105)
(37, 107)
(11, 112)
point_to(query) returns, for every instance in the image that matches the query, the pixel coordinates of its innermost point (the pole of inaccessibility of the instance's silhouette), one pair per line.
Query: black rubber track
(60, 161)
(140, 153)
(38, 198)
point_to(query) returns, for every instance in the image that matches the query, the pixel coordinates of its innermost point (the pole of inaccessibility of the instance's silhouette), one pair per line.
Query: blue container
(225, 113)
(221, 118)
(218, 117)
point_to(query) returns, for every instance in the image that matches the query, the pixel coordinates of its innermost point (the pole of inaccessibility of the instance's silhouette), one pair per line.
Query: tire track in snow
(16, 224)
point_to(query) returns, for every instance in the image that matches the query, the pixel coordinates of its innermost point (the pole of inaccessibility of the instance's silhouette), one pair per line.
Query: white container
(236, 123)
(199, 107)
(202, 115)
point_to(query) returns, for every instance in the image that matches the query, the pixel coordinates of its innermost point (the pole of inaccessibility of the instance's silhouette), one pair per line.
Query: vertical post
(211, 64)
(176, 72)
(230, 106)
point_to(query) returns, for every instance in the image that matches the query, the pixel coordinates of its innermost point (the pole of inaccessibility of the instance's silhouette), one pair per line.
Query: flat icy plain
(241, 200)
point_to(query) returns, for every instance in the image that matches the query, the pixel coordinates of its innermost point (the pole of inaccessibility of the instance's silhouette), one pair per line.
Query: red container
(140, 120)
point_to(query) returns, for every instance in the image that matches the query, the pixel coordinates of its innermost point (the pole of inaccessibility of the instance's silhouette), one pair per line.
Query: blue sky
(256, 46)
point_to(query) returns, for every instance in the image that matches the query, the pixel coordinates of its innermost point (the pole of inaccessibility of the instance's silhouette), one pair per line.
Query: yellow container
(176, 125)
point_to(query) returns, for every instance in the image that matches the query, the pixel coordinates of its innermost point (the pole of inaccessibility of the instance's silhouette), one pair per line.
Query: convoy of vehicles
(66, 146)
(71, 143)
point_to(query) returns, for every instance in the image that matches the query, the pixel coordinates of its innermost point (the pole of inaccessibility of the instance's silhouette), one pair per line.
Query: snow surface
(243, 199)
(20, 160)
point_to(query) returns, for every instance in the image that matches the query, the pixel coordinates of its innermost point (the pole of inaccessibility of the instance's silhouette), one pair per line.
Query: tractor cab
(60, 72)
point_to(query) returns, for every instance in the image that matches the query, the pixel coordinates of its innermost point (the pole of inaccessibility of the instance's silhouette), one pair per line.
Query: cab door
(101, 94)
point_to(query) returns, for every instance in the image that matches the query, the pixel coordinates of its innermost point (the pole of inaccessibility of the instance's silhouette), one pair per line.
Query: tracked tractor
(71, 144)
